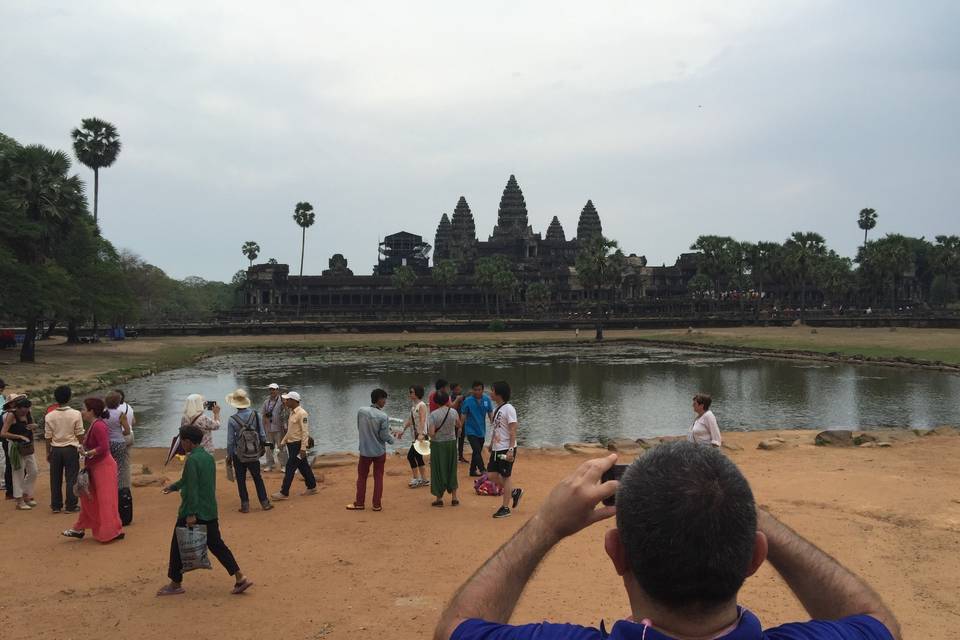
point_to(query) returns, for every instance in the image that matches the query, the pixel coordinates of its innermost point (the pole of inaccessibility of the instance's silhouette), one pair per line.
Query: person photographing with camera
(274, 415)
(687, 536)
(194, 414)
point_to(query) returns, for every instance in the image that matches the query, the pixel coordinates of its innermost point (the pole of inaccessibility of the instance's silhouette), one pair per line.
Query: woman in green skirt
(443, 425)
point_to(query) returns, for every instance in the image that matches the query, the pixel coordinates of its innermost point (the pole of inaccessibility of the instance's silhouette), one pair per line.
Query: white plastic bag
(193, 547)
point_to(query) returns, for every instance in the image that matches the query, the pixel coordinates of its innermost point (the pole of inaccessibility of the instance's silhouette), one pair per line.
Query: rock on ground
(772, 443)
(835, 438)
(148, 480)
(334, 460)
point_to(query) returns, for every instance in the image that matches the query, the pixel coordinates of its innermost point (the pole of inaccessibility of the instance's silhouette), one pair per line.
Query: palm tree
(303, 215)
(504, 281)
(484, 275)
(598, 269)
(716, 260)
(538, 297)
(444, 275)
(804, 252)
(97, 146)
(250, 249)
(867, 221)
(403, 278)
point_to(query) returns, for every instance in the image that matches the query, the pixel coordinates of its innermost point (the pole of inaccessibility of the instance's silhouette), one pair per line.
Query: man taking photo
(688, 534)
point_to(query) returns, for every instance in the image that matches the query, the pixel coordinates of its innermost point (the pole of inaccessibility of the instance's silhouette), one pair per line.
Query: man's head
(274, 390)
(686, 533)
(456, 389)
(291, 400)
(477, 389)
(501, 392)
(113, 400)
(442, 398)
(190, 437)
(378, 397)
(62, 394)
(441, 385)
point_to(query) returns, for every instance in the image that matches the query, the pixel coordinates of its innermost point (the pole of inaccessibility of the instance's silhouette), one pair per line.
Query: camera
(613, 473)
(268, 414)
(209, 405)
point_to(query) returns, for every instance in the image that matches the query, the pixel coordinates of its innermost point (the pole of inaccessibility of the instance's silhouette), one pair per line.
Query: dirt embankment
(891, 514)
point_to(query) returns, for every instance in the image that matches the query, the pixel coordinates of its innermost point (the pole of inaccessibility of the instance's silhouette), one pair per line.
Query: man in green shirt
(198, 505)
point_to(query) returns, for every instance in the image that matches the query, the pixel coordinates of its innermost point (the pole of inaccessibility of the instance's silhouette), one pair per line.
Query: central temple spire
(512, 216)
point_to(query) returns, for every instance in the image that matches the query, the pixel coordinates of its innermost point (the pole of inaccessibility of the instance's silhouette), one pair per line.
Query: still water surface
(580, 393)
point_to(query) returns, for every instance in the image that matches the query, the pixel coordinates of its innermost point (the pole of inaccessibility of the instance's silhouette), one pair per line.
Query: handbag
(82, 486)
(26, 448)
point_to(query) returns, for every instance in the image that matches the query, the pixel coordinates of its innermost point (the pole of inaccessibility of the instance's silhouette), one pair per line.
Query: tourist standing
(98, 505)
(705, 429)
(119, 430)
(503, 448)
(198, 505)
(456, 399)
(417, 423)
(443, 426)
(441, 385)
(194, 414)
(274, 415)
(373, 427)
(63, 428)
(4, 444)
(296, 440)
(128, 413)
(18, 429)
(246, 442)
(475, 409)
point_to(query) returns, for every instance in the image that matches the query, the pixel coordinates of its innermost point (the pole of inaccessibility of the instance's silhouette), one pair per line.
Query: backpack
(248, 446)
(484, 486)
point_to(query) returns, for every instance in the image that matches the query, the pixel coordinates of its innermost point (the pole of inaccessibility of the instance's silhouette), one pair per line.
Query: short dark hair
(123, 396)
(704, 400)
(377, 394)
(192, 433)
(3, 385)
(62, 394)
(454, 385)
(688, 522)
(112, 400)
(441, 398)
(441, 383)
(97, 406)
(417, 390)
(502, 389)
(477, 383)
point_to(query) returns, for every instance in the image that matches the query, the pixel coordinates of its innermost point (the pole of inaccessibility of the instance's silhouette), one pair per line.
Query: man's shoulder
(861, 627)
(483, 630)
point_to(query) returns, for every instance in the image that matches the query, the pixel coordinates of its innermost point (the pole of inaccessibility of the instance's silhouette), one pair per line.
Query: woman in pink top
(705, 429)
(98, 509)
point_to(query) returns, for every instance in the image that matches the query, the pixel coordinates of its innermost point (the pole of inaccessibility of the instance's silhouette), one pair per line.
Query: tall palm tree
(444, 275)
(97, 146)
(804, 251)
(403, 278)
(599, 266)
(716, 260)
(250, 249)
(867, 221)
(303, 215)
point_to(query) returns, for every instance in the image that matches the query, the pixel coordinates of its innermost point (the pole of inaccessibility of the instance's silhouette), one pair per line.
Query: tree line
(56, 268)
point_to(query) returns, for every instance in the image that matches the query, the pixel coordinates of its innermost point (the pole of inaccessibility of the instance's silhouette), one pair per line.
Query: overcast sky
(743, 118)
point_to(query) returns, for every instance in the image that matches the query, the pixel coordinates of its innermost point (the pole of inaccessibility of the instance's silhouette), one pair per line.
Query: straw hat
(239, 399)
(13, 397)
(422, 447)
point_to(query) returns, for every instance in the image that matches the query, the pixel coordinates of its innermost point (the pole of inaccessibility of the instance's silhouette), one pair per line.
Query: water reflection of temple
(535, 258)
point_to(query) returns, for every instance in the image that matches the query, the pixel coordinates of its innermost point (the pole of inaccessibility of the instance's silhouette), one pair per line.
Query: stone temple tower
(512, 216)
(441, 243)
(463, 232)
(589, 224)
(555, 231)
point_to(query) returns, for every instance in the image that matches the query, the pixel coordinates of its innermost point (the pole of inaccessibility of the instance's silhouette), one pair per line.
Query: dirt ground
(890, 514)
(92, 366)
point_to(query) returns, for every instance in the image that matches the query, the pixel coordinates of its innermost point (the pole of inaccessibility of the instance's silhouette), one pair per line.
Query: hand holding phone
(613, 473)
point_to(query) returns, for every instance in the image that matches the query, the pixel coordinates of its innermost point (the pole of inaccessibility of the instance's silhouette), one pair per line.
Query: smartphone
(613, 473)
(209, 405)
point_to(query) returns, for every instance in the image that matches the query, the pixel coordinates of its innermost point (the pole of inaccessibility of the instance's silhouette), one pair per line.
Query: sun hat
(273, 385)
(13, 397)
(238, 399)
(422, 447)
(293, 395)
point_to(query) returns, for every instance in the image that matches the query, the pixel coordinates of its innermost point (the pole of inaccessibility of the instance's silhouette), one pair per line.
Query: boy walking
(373, 426)
(296, 440)
(503, 448)
(198, 505)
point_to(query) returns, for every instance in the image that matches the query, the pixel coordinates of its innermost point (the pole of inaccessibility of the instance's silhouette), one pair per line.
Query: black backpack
(248, 447)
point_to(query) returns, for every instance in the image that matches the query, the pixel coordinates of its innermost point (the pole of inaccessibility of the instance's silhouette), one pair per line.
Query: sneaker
(502, 512)
(55, 510)
(72, 510)
(32, 502)
(516, 494)
(414, 483)
(279, 496)
(266, 506)
(309, 492)
(424, 483)
(23, 506)
(244, 507)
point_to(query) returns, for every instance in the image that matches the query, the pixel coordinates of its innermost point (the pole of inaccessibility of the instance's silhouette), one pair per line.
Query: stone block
(835, 438)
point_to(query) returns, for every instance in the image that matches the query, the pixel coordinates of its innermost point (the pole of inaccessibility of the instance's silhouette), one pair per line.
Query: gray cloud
(753, 121)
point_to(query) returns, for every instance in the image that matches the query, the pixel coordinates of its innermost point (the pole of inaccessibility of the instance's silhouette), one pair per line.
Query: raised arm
(493, 591)
(826, 589)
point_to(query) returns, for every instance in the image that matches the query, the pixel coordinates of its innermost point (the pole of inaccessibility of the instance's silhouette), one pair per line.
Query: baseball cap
(293, 395)
(273, 385)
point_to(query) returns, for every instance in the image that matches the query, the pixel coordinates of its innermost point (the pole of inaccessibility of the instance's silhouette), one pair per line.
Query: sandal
(170, 590)
(240, 587)
(355, 507)
(437, 503)
(378, 508)
(73, 533)
(454, 503)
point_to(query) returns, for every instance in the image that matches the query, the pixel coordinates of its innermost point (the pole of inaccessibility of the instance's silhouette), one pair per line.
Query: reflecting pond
(578, 393)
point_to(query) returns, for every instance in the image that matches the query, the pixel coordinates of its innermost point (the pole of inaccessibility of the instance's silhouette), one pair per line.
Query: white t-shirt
(127, 410)
(503, 416)
(705, 430)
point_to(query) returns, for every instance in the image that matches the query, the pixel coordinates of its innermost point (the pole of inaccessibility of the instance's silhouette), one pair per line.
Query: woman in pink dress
(98, 509)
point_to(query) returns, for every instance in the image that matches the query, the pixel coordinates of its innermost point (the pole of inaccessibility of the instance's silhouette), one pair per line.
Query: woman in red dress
(98, 509)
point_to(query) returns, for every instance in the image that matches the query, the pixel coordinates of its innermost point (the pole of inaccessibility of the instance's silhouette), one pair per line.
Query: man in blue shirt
(475, 409)
(688, 534)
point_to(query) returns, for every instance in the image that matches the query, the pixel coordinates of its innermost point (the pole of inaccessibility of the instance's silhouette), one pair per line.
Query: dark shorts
(504, 468)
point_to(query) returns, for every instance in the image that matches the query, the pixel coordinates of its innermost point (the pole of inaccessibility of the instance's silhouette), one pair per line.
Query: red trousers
(363, 470)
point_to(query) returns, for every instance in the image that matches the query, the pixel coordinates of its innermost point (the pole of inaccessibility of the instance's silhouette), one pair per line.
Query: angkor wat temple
(549, 259)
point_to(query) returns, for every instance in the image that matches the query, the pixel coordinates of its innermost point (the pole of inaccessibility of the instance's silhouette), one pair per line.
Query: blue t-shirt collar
(748, 628)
